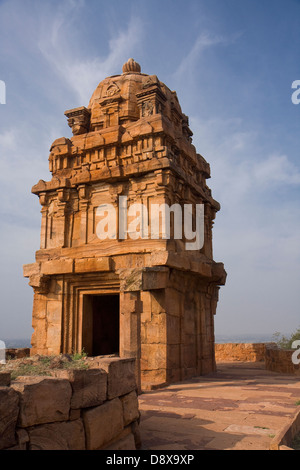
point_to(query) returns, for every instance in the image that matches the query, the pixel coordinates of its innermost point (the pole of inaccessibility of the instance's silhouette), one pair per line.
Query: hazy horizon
(236, 338)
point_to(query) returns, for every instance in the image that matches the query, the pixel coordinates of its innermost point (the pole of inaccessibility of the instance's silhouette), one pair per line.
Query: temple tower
(117, 272)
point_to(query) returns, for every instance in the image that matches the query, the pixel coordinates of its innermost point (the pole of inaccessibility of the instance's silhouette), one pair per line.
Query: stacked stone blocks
(72, 410)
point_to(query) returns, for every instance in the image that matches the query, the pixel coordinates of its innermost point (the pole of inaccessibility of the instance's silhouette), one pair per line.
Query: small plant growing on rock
(44, 365)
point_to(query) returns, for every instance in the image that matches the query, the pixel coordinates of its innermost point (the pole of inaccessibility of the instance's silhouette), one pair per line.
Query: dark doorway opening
(101, 325)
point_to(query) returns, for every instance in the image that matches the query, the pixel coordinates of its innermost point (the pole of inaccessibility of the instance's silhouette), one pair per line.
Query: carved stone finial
(131, 66)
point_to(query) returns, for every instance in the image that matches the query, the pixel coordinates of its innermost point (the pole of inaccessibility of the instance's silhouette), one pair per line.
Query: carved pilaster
(151, 100)
(83, 193)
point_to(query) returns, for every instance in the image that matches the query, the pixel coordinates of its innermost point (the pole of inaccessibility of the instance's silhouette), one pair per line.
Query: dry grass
(43, 365)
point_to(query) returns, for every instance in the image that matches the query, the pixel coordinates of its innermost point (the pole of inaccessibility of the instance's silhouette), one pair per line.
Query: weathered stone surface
(137, 434)
(9, 410)
(121, 376)
(126, 443)
(22, 438)
(42, 400)
(103, 423)
(58, 436)
(155, 279)
(89, 265)
(62, 266)
(153, 356)
(5, 379)
(31, 269)
(155, 331)
(280, 360)
(74, 414)
(244, 352)
(152, 379)
(130, 408)
(17, 353)
(89, 387)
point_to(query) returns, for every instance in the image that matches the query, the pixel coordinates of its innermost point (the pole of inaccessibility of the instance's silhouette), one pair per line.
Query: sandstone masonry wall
(275, 359)
(243, 352)
(280, 360)
(74, 409)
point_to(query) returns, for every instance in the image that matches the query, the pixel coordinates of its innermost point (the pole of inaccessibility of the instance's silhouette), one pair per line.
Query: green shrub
(285, 342)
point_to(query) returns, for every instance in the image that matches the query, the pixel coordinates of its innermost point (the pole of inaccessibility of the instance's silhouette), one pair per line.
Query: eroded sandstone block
(42, 400)
(103, 423)
(121, 376)
(89, 387)
(9, 410)
(58, 436)
(5, 379)
(125, 443)
(130, 408)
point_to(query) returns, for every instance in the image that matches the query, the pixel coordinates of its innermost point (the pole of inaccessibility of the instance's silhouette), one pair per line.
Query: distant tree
(285, 342)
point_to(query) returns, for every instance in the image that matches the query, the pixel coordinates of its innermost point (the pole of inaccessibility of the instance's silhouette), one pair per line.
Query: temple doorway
(101, 325)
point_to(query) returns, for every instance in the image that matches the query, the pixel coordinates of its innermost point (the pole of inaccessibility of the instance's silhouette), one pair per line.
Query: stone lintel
(59, 266)
(186, 261)
(86, 265)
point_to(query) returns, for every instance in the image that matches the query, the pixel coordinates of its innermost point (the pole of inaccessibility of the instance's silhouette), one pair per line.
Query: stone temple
(126, 293)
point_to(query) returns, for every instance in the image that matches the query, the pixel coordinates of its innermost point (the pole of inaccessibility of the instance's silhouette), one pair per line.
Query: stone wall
(74, 409)
(17, 353)
(242, 352)
(280, 360)
(275, 359)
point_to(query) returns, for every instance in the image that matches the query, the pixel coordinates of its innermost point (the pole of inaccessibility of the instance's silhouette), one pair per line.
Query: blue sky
(232, 64)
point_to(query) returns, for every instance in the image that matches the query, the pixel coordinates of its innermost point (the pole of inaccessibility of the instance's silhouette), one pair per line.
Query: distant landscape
(247, 338)
(253, 338)
(17, 343)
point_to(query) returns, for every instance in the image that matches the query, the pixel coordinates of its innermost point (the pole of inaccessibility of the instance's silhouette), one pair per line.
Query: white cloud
(277, 169)
(84, 74)
(243, 168)
(204, 41)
